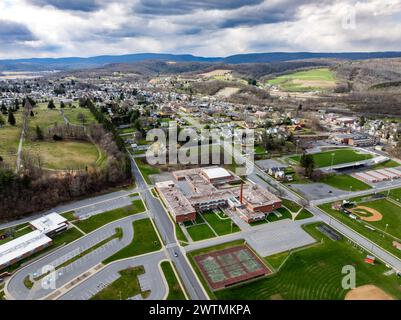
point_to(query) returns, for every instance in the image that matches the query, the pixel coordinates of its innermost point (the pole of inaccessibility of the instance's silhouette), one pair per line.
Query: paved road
(16, 287)
(74, 206)
(167, 232)
(110, 273)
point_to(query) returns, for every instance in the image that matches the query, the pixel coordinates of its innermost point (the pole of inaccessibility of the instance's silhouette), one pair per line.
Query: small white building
(50, 224)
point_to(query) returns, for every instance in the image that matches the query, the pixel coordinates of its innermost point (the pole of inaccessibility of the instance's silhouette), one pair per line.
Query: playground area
(230, 266)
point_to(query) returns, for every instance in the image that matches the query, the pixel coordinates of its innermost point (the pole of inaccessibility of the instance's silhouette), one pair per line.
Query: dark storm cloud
(11, 32)
(175, 7)
(74, 5)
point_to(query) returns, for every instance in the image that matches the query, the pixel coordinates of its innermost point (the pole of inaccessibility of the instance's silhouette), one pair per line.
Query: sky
(62, 28)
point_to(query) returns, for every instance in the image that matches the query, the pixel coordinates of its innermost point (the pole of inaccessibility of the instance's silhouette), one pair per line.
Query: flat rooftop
(176, 201)
(257, 196)
(216, 173)
(49, 223)
(20, 246)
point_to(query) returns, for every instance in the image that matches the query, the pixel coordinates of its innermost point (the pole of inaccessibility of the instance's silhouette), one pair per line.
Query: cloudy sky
(55, 28)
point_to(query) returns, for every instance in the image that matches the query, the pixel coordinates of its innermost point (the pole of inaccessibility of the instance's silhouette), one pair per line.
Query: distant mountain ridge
(73, 63)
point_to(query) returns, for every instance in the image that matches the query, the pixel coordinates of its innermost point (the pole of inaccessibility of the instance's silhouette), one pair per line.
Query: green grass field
(310, 80)
(387, 164)
(304, 214)
(395, 194)
(9, 139)
(146, 169)
(98, 220)
(67, 154)
(221, 226)
(125, 287)
(391, 215)
(145, 241)
(345, 182)
(200, 232)
(291, 205)
(314, 273)
(175, 290)
(72, 114)
(324, 159)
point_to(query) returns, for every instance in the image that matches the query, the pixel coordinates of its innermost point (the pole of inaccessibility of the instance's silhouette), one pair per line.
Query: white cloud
(212, 29)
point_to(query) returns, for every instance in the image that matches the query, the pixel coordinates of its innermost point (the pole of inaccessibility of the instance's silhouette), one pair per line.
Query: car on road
(175, 254)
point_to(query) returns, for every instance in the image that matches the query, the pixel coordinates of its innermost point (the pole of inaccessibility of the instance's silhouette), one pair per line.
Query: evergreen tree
(39, 133)
(51, 105)
(11, 118)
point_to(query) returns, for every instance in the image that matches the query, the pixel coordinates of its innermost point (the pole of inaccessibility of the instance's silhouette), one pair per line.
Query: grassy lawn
(63, 238)
(291, 205)
(345, 182)
(44, 118)
(2, 295)
(146, 169)
(9, 139)
(200, 232)
(285, 214)
(124, 287)
(304, 214)
(258, 149)
(98, 220)
(315, 79)
(180, 234)
(145, 241)
(276, 260)
(221, 226)
(175, 290)
(72, 115)
(314, 273)
(395, 194)
(391, 215)
(67, 154)
(387, 164)
(324, 159)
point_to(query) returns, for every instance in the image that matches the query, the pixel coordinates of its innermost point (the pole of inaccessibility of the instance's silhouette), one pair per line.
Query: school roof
(20, 246)
(49, 223)
(216, 173)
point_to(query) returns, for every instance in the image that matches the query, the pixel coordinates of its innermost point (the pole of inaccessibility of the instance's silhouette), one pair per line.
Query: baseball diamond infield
(229, 266)
(367, 214)
(367, 292)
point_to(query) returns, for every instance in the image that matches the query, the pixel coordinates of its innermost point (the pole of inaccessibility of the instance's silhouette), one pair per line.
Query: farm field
(302, 81)
(320, 266)
(66, 154)
(391, 215)
(345, 182)
(324, 159)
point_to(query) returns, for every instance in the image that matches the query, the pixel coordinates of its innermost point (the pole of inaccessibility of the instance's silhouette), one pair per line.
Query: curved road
(15, 286)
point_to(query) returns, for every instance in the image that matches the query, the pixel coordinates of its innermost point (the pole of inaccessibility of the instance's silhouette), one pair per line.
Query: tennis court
(230, 266)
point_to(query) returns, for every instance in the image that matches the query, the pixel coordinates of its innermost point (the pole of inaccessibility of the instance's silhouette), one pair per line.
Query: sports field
(345, 182)
(310, 80)
(380, 215)
(325, 159)
(314, 273)
(229, 266)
